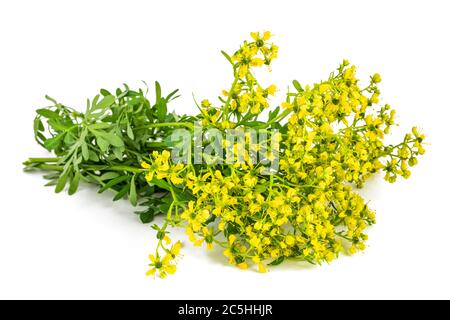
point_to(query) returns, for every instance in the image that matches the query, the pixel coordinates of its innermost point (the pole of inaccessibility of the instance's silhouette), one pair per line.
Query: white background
(86, 246)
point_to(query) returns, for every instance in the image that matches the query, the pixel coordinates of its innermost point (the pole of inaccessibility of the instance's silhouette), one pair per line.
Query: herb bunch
(329, 138)
(106, 144)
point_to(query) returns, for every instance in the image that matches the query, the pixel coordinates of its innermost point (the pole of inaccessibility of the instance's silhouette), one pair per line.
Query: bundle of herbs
(276, 188)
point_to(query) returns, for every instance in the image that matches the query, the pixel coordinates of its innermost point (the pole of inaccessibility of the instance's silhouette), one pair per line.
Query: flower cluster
(246, 98)
(164, 265)
(161, 169)
(308, 210)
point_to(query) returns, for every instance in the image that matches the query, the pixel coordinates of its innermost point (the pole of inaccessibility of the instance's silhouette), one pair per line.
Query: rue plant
(327, 140)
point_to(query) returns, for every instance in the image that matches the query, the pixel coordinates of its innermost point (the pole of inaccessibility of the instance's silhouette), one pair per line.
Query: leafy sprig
(106, 144)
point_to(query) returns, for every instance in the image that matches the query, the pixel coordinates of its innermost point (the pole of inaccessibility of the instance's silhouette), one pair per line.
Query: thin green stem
(39, 160)
(52, 167)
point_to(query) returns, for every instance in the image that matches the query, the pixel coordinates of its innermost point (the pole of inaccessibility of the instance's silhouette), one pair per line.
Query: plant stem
(38, 160)
(52, 167)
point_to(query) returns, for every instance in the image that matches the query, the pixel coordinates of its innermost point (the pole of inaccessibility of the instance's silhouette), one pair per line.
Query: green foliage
(106, 144)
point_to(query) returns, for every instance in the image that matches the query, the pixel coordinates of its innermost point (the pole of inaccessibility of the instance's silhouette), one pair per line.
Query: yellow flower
(376, 78)
(256, 62)
(175, 179)
(162, 266)
(290, 240)
(262, 268)
(145, 165)
(271, 89)
(195, 218)
(286, 105)
(149, 176)
(257, 37)
(175, 250)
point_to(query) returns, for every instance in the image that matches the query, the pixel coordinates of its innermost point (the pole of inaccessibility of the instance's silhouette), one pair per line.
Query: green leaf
(231, 228)
(38, 125)
(109, 176)
(157, 91)
(106, 102)
(93, 156)
(53, 143)
(47, 113)
(51, 183)
(297, 86)
(122, 193)
(147, 216)
(62, 181)
(133, 193)
(113, 139)
(69, 139)
(73, 187)
(58, 125)
(85, 150)
(260, 188)
(227, 56)
(273, 114)
(130, 133)
(51, 176)
(164, 207)
(161, 110)
(118, 152)
(102, 144)
(88, 105)
(113, 182)
(161, 183)
(277, 261)
(99, 125)
(95, 101)
(105, 92)
(172, 94)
